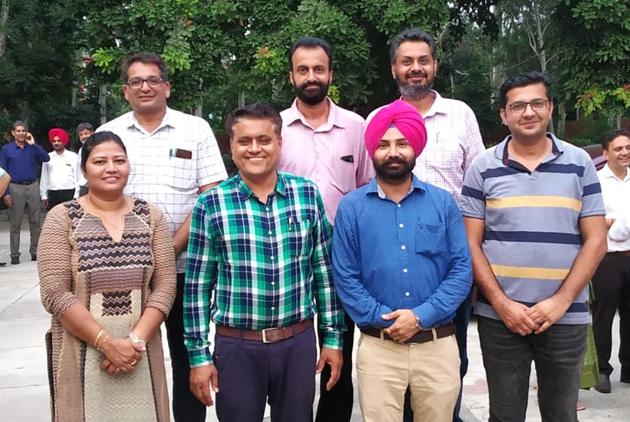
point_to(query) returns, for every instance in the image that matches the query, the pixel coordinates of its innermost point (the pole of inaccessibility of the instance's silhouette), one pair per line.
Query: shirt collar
(245, 192)
(439, 106)
(374, 188)
(501, 150)
(608, 173)
(294, 114)
(167, 120)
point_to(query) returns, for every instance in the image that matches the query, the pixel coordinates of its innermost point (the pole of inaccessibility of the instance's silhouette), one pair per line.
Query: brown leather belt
(268, 335)
(619, 253)
(421, 337)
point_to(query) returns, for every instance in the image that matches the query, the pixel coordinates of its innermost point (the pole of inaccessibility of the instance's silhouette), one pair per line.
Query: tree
(593, 45)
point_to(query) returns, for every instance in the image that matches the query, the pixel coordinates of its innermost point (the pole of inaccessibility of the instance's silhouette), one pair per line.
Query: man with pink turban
(58, 182)
(401, 269)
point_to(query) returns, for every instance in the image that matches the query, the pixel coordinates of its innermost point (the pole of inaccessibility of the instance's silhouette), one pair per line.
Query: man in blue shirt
(401, 268)
(21, 159)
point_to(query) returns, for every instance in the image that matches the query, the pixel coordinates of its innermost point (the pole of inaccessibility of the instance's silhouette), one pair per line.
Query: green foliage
(596, 61)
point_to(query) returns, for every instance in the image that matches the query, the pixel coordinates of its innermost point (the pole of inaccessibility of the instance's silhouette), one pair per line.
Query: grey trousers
(24, 197)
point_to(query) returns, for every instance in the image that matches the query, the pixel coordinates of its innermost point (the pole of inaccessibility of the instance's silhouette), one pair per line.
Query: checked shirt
(254, 265)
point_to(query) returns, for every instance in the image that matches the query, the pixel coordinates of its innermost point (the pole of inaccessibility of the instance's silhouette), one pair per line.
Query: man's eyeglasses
(152, 81)
(519, 107)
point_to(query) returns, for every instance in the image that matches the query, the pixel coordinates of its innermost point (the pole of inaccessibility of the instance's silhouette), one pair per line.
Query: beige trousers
(385, 369)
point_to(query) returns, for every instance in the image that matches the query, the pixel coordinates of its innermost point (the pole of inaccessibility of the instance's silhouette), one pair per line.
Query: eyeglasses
(152, 81)
(520, 106)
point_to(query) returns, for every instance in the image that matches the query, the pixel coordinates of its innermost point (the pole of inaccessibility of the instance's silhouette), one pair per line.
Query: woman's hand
(119, 353)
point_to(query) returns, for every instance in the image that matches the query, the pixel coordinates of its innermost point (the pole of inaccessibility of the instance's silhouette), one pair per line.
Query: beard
(311, 97)
(414, 91)
(394, 174)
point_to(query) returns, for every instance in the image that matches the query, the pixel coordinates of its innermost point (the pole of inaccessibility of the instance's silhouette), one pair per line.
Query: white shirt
(616, 193)
(59, 173)
(453, 141)
(169, 165)
(80, 177)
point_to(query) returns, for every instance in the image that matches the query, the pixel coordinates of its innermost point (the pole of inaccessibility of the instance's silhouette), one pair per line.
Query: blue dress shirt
(22, 164)
(411, 255)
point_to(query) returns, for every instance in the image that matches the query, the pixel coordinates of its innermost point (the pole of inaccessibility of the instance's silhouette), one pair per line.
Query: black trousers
(611, 288)
(336, 405)
(56, 197)
(186, 407)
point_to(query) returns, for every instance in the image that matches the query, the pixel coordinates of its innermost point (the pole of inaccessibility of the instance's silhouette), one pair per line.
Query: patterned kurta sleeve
(163, 281)
(54, 263)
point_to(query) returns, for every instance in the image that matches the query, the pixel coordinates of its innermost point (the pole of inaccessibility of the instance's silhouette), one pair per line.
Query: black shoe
(603, 386)
(15, 260)
(2, 264)
(625, 377)
(33, 257)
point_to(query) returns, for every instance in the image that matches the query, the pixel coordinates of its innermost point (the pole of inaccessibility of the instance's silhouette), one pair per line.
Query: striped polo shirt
(532, 233)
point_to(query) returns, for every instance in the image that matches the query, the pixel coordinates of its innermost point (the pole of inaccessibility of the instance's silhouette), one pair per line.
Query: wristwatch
(418, 322)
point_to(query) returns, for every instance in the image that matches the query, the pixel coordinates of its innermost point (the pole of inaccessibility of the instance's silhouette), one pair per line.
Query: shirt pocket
(343, 176)
(430, 238)
(180, 173)
(297, 233)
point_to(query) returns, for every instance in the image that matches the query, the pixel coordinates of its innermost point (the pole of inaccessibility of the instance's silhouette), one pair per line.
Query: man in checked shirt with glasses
(260, 246)
(173, 157)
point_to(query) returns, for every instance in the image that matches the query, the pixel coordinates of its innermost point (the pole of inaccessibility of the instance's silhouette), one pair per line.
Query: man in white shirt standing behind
(173, 156)
(611, 281)
(58, 182)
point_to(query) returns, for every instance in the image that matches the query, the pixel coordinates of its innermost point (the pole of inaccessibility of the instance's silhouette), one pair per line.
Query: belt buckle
(264, 335)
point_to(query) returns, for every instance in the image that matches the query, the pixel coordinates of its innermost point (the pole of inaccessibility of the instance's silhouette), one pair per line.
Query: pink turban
(402, 116)
(62, 134)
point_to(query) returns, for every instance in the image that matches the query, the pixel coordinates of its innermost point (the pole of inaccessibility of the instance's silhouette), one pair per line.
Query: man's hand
(609, 222)
(405, 326)
(29, 138)
(201, 379)
(45, 203)
(8, 200)
(515, 316)
(547, 312)
(334, 358)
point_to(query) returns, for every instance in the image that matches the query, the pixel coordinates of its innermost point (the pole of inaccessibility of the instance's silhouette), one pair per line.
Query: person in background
(84, 130)
(21, 159)
(107, 277)
(5, 179)
(58, 181)
(611, 281)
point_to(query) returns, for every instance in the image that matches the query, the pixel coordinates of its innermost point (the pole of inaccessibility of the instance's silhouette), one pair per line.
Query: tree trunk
(102, 102)
(199, 110)
(562, 119)
(618, 120)
(4, 17)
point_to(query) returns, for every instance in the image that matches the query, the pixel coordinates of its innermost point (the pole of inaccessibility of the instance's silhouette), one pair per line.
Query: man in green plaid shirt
(259, 267)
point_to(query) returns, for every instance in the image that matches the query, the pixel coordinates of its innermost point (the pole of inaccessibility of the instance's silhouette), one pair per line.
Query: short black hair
(312, 42)
(524, 79)
(262, 111)
(411, 34)
(19, 123)
(97, 139)
(612, 135)
(84, 126)
(146, 58)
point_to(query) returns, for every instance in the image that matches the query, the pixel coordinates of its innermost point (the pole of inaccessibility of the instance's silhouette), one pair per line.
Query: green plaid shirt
(267, 264)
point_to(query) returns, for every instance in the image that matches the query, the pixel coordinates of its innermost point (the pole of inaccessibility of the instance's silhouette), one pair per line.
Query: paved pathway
(24, 386)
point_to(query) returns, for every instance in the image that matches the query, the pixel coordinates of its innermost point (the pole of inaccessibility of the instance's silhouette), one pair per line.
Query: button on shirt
(333, 155)
(616, 193)
(170, 164)
(22, 164)
(59, 173)
(453, 142)
(410, 255)
(268, 264)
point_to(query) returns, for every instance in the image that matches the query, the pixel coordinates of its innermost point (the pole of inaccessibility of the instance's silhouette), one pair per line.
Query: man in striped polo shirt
(534, 216)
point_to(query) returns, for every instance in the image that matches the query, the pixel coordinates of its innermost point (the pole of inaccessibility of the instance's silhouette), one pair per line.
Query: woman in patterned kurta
(107, 276)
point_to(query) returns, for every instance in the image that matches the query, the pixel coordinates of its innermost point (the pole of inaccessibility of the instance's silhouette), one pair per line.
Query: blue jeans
(507, 358)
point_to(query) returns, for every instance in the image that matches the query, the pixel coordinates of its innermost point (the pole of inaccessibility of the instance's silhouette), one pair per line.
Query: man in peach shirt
(323, 142)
